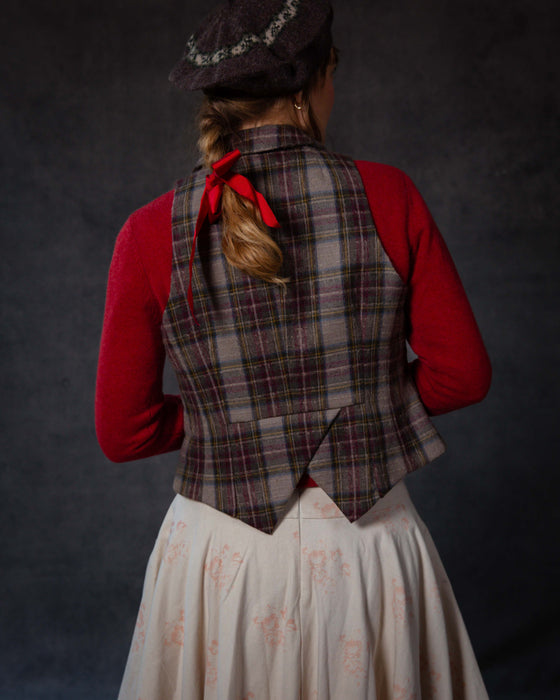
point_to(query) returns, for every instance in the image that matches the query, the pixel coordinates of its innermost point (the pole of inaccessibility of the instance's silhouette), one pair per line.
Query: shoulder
(145, 242)
(389, 191)
(392, 193)
(386, 179)
(386, 186)
(149, 227)
(154, 216)
(392, 196)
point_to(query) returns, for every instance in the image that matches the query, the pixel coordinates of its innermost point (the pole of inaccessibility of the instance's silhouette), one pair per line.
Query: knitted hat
(257, 48)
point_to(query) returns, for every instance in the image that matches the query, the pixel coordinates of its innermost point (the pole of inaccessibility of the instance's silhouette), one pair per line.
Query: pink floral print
(392, 517)
(338, 576)
(327, 510)
(325, 565)
(404, 692)
(211, 664)
(355, 655)
(276, 626)
(140, 630)
(177, 547)
(402, 603)
(175, 631)
(430, 677)
(223, 566)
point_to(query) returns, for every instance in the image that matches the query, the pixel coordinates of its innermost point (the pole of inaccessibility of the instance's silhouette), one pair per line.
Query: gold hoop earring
(298, 107)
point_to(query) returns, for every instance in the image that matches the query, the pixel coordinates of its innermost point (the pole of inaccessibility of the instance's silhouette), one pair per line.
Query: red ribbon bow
(210, 203)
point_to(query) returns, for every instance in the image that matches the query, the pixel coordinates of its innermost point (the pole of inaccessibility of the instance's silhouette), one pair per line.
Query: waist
(306, 481)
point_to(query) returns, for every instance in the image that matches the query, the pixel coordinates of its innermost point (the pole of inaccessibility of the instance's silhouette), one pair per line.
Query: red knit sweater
(134, 419)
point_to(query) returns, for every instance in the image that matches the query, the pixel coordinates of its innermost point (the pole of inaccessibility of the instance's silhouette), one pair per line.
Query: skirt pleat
(322, 608)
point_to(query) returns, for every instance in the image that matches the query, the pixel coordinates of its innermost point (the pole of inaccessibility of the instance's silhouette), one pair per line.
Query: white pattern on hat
(246, 43)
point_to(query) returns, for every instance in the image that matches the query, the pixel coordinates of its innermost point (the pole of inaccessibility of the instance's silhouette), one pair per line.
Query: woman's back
(309, 378)
(285, 314)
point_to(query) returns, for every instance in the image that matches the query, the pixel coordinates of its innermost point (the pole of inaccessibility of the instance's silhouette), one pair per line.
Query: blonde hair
(246, 242)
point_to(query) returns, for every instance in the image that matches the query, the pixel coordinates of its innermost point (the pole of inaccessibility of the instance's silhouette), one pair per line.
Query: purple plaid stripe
(311, 379)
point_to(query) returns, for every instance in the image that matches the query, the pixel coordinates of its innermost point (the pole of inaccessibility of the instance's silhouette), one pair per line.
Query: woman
(282, 282)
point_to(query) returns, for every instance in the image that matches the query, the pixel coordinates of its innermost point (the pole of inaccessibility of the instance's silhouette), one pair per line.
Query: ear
(300, 109)
(298, 99)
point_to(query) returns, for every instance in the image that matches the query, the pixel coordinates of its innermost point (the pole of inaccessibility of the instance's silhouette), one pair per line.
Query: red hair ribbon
(210, 204)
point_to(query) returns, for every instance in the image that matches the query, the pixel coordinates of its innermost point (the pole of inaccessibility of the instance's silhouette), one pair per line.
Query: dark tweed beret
(257, 48)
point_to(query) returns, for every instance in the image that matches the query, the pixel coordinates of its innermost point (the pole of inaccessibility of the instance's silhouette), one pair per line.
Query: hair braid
(246, 242)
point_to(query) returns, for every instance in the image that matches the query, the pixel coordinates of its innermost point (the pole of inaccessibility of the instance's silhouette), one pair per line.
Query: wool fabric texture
(312, 379)
(256, 48)
(210, 204)
(136, 419)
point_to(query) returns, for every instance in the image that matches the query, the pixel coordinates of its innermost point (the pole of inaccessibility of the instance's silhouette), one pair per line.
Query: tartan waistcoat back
(314, 378)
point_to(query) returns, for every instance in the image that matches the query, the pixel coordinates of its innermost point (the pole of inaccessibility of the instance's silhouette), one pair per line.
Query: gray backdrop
(463, 96)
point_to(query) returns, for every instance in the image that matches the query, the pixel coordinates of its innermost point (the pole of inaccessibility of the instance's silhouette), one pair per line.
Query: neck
(281, 112)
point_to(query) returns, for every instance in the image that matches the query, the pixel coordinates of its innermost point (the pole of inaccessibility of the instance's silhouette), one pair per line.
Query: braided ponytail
(246, 242)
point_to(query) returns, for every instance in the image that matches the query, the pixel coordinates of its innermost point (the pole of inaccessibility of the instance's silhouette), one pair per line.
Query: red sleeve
(452, 369)
(134, 419)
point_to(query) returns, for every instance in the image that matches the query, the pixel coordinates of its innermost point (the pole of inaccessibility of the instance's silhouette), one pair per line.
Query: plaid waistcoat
(276, 383)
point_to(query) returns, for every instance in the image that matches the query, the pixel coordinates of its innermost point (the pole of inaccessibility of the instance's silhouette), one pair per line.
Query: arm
(134, 419)
(452, 369)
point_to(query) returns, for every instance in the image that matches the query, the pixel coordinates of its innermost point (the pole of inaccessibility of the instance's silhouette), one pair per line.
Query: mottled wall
(461, 95)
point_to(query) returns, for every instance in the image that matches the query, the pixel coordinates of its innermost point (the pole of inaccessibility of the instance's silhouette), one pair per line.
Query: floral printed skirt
(323, 608)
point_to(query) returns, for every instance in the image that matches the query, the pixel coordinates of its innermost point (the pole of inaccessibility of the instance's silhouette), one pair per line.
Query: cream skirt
(321, 609)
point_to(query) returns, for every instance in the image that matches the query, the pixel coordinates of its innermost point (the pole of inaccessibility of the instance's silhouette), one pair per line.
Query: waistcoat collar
(271, 137)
